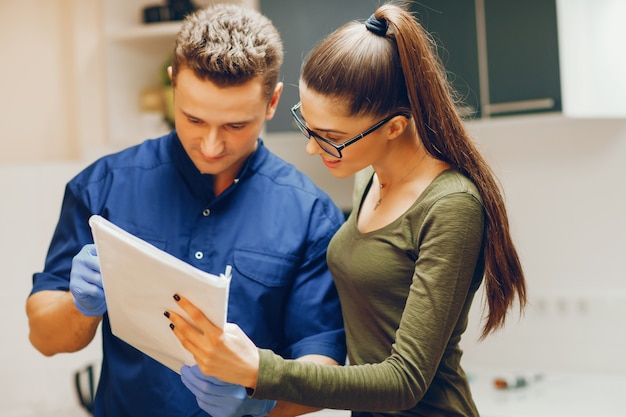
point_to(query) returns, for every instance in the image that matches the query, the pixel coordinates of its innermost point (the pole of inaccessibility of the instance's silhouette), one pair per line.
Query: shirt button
(206, 212)
(199, 255)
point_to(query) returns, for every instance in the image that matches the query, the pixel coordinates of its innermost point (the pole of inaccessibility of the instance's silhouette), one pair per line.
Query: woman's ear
(397, 126)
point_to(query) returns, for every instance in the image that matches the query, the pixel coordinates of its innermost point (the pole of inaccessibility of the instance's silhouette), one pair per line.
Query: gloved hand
(221, 399)
(86, 282)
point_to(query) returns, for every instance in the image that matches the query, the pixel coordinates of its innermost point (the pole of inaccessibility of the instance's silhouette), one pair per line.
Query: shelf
(146, 31)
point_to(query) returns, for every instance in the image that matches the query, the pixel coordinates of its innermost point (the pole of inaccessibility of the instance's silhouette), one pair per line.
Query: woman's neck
(401, 164)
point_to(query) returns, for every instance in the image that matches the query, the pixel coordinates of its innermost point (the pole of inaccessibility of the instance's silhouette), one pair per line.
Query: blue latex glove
(221, 399)
(86, 282)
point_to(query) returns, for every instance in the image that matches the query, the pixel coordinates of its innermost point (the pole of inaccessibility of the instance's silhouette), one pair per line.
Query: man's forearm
(56, 325)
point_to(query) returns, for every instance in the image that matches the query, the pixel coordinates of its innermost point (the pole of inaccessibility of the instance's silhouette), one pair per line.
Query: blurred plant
(168, 93)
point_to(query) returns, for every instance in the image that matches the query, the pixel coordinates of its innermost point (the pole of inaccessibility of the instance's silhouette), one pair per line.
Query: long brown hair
(377, 75)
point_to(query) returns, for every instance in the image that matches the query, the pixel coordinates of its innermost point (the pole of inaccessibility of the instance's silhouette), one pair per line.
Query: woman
(428, 225)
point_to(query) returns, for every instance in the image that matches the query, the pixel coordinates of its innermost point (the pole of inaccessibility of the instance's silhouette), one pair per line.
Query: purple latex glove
(86, 282)
(221, 399)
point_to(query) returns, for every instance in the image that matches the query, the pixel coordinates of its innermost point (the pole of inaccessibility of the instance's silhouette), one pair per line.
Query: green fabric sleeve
(352, 387)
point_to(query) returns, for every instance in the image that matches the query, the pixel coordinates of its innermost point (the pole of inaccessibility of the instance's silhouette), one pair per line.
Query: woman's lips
(331, 164)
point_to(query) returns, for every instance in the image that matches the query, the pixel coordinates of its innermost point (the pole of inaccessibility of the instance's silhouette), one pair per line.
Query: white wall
(563, 180)
(32, 385)
(36, 83)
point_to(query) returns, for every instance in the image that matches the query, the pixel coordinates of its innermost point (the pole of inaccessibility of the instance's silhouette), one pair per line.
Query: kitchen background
(79, 79)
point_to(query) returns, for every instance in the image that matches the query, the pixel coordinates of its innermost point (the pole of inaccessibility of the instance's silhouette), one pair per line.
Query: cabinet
(502, 56)
(510, 57)
(134, 55)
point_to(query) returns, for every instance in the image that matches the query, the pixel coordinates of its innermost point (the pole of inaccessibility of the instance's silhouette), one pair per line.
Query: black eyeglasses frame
(335, 150)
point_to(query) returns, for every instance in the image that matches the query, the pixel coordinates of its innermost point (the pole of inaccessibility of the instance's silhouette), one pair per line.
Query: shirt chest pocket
(152, 237)
(269, 269)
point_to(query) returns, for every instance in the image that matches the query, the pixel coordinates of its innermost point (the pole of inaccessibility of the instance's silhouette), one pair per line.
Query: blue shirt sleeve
(70, 235)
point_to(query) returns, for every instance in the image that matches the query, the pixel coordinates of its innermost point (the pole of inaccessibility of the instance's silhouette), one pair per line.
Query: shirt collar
(202, 184)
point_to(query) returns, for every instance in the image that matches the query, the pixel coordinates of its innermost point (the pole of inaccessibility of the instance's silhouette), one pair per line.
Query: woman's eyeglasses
(329, 147)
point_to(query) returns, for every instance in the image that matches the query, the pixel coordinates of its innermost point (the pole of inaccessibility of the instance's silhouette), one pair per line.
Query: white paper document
(139, 282)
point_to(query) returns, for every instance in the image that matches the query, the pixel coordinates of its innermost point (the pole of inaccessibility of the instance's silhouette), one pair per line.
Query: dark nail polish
(167, 314)
(176, 297)
(172, 326)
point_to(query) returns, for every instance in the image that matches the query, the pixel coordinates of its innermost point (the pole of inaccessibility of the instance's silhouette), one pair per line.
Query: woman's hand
(225, 354)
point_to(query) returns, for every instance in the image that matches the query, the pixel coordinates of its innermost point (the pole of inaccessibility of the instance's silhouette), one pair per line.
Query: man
(212, 195)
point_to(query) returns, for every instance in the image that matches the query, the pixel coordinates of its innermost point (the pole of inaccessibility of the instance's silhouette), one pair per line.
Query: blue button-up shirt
(272, 225)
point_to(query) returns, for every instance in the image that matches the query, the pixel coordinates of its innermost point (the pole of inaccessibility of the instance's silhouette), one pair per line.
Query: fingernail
(176, 297)
(172, 326)
(167, 314)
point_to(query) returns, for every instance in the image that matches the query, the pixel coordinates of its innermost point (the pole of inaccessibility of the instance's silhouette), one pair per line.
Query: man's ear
(273, 103)
(169, 73)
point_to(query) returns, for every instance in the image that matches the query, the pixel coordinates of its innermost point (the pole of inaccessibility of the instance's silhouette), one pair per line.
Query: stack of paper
(139, 281)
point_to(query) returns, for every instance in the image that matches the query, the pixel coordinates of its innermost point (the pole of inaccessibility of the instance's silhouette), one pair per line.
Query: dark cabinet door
(523, 55)
(452, 25)
(501, 55)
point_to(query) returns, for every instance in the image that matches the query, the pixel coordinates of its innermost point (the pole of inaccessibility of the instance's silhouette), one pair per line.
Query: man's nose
(212, 145)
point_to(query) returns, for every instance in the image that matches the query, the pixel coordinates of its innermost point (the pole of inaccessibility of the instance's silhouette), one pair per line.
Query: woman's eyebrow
(329, 131)
(323, 130)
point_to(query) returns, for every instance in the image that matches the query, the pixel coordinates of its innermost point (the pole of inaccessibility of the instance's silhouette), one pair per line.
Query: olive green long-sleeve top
(405, 291)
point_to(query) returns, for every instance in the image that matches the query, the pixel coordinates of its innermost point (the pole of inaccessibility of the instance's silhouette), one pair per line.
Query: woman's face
(329, 118)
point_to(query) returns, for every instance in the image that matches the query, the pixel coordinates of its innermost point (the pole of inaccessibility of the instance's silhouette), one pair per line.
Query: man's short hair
(229, 45)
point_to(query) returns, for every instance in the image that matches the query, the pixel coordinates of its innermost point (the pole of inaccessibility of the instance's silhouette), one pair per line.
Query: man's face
(219, 127)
